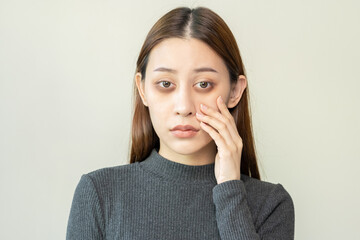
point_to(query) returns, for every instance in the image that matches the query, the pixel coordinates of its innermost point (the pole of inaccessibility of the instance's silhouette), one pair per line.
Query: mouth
(184, 133)
(184, 128)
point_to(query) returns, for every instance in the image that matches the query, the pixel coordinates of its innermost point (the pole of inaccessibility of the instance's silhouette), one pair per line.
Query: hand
(221, 127)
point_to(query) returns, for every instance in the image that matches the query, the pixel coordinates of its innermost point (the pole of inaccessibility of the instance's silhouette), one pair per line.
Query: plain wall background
(66, 72)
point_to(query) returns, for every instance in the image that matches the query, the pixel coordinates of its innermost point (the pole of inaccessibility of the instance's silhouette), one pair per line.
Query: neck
(203, 156)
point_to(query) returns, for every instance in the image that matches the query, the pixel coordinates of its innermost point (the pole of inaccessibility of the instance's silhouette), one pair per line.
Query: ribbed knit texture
(161, 199)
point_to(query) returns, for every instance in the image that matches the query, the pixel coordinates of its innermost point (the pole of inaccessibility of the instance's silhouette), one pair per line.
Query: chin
(187, 148)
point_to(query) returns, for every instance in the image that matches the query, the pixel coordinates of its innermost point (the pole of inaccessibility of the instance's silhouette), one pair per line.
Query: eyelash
(208, 84)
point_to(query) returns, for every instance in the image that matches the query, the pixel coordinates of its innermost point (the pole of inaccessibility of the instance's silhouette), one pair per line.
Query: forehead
(185, 54)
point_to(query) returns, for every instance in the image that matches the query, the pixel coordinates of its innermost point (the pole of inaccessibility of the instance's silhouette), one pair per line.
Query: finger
(219, 141)
(219, 126)
(230, 133)
(228, 117)
(211, 112)
(223, 108)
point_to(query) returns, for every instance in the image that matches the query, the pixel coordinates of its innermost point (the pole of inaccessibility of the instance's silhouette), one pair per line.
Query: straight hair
(203, 24)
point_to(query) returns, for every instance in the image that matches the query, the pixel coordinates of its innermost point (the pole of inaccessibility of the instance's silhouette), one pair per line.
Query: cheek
(157, 102)
(159, 111)
(208, 100)
(153, 96)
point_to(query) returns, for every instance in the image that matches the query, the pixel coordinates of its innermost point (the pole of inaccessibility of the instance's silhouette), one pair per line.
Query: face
(180, 75)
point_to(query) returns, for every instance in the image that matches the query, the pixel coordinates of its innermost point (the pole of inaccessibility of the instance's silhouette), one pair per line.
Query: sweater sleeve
(234, 219)
(86, 219)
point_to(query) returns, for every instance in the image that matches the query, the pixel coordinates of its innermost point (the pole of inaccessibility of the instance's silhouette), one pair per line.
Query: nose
(183, 103)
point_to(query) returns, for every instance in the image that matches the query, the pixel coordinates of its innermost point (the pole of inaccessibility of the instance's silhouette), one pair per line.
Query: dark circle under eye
(204, 84)
(165, 84)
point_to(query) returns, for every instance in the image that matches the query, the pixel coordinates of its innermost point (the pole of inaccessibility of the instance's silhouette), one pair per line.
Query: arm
(86, 219)
(275, 218)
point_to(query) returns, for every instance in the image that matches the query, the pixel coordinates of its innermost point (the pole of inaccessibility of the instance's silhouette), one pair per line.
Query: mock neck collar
(178, 172)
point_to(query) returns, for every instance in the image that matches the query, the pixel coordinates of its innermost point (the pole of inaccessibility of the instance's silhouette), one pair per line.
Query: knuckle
(240, 144)
(232, 148)
(222, 126)
(206, 118)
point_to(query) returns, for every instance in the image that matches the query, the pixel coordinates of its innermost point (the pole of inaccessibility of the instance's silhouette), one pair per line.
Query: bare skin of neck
(204, 156)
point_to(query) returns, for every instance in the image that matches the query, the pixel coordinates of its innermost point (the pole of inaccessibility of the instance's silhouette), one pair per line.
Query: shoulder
(266, 196)
(256, 186)
(93, 194)
(104, 180)
(112, 173)
(263, 189)
(260, 187)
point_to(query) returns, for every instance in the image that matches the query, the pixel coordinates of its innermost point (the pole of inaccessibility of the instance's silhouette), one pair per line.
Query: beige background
(66, 71)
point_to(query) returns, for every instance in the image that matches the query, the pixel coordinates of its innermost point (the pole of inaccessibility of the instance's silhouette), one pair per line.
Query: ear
(140, 84)
(237, 90)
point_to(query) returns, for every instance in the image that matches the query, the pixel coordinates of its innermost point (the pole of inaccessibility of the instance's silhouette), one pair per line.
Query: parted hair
(203, 24)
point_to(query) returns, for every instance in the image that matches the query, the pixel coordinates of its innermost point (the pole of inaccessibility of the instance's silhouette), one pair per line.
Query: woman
(193, 172)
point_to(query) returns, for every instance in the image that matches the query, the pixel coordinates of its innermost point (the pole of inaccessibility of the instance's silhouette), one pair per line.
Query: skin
(175, 98)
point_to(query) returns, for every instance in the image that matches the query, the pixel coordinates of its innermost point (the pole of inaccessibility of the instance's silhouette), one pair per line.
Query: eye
(204, 84)
(165, 84)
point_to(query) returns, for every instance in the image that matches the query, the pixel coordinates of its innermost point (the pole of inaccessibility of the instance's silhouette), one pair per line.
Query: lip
(184, 131)
(184, 128)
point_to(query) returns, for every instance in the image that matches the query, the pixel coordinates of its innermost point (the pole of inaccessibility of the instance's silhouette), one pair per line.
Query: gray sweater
(161, 199)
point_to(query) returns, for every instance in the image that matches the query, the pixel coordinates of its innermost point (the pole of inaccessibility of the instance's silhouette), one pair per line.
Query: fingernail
(199, 114)
(203, 106)
(221, 100)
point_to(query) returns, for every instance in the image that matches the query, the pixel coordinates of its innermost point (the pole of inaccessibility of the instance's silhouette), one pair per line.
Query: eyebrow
(197, 70)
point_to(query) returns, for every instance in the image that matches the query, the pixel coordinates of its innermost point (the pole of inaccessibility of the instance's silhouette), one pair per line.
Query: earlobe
(140, 87)
(237, 90)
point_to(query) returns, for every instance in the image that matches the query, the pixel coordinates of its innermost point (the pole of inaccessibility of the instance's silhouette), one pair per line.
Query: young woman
(193, 172)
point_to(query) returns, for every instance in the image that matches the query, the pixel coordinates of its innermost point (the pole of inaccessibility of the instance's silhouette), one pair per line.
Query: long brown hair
(203, 24)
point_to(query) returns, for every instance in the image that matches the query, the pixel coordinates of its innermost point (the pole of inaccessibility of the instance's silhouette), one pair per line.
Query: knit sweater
(162, 199)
